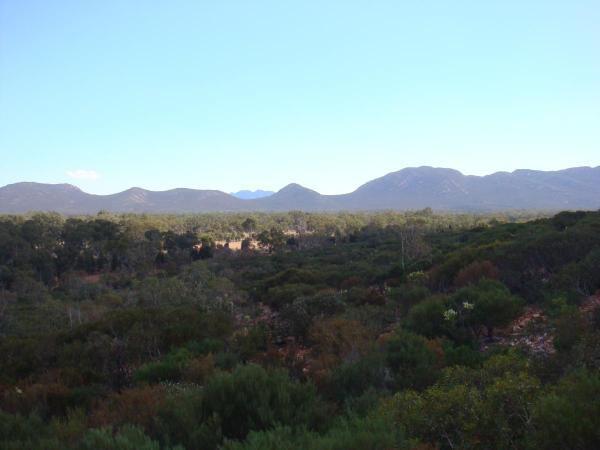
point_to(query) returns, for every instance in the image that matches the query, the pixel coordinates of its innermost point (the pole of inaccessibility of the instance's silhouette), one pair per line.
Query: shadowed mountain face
(22, 197)
(414, 188)
(410, 188)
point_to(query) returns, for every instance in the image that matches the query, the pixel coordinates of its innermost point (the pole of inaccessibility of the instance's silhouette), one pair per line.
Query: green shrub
(412, 363)
(568, 417)
(169, 369)
(25, 433)
(252, 398)
(371, 433)
(128, 438)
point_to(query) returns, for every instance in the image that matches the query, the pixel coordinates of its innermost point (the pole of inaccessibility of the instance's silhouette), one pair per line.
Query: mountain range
(409, 188)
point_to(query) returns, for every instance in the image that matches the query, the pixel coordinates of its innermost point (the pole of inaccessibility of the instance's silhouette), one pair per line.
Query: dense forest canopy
(300, 330)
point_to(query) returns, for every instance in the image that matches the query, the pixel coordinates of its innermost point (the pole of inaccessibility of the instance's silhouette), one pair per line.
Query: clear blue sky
(256, 94)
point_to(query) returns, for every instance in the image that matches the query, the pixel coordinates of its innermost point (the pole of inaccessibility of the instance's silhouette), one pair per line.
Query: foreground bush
(348, 434)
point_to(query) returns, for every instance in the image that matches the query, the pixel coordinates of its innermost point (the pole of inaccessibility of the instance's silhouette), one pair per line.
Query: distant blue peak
(247, 195)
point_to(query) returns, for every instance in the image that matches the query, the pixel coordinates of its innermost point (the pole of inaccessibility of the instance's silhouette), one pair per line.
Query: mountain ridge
(408, 188)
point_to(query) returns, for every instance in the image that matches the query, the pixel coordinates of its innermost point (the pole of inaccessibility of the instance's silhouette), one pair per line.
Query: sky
(239, 94)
